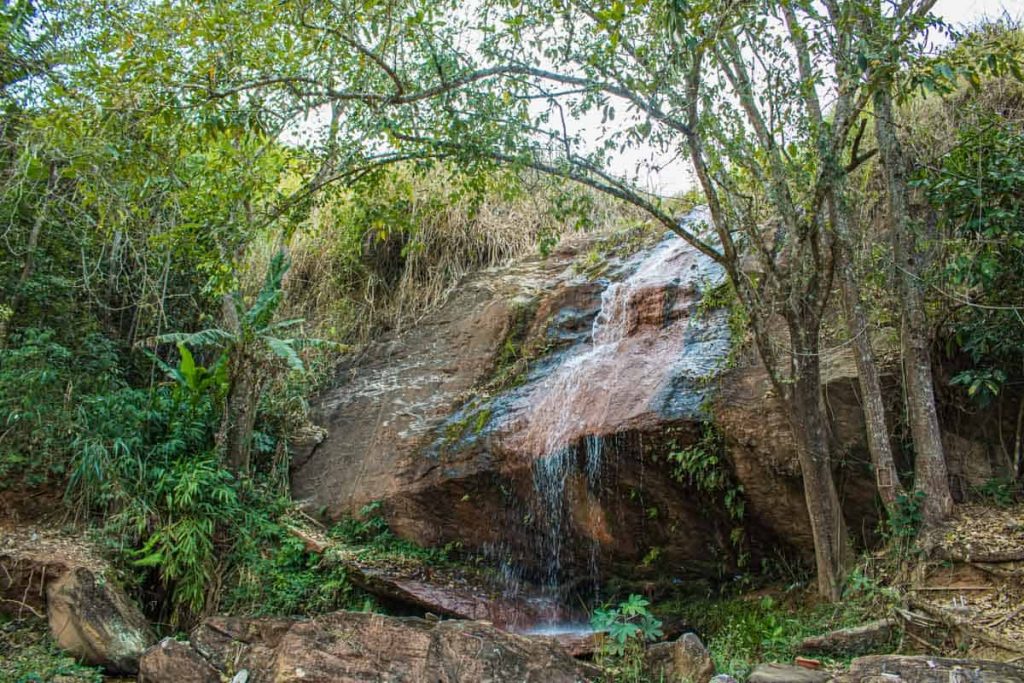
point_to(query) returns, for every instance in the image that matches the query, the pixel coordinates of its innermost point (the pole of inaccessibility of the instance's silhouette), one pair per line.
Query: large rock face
(352, 647)
(532, 418)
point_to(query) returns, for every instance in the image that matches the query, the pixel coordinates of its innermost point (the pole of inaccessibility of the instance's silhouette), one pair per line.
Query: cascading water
(565, 426)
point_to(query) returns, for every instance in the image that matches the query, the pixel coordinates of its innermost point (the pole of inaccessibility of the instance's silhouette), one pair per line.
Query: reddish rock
(93, 620)
(353, 647)
(455, 593)
(410, 425)
(170, 661)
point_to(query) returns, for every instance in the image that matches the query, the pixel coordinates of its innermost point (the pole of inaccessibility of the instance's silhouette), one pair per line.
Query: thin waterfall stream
(563, 429)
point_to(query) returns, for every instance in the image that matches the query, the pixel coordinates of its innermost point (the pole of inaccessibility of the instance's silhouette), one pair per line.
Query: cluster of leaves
(978, 189)
(704, 465)
(627, 628)
(369, 535)
(904, 521)
(48, 394)
(1000, 492)
(283, 577)
(741, 632)
(631, 621)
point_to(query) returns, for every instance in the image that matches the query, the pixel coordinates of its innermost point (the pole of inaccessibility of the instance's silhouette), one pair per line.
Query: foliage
(29, 655)
(704, 465)
(630, 621)
(627, 628)
(977, 189)
(999, 492)
(283, 578)
(903, 522)
(385, 251)
(369, 537)
(41, 380)
(724, 296)
(741, 632)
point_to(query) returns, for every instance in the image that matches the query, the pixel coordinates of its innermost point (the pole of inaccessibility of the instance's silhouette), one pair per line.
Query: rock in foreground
(96, 622)
(353, 647)
(45, 571)
(685, 660)
(918, 669)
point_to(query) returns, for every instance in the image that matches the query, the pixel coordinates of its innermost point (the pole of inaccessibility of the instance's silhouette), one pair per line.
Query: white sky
(675, 177)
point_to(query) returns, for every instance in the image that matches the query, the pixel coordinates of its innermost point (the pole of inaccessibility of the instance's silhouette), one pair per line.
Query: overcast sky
(675, 178)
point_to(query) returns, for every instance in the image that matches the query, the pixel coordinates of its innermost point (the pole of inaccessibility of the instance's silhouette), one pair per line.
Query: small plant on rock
(630, 621)
(627, 628)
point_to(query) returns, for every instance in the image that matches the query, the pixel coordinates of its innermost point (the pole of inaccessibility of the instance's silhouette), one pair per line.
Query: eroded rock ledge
(355, 647)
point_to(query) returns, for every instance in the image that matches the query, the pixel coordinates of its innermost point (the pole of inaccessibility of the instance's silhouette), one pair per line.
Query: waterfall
(592, 396)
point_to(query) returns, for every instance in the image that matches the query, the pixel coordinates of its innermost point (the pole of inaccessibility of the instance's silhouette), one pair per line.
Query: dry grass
(353, 278)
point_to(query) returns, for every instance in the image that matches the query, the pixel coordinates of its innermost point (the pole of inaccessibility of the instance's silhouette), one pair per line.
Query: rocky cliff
(531, 420)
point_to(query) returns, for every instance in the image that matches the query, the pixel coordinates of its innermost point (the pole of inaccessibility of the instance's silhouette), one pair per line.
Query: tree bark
(242, 400)
(240, 406)
(879, 444)
(809, 425)
(930, 476)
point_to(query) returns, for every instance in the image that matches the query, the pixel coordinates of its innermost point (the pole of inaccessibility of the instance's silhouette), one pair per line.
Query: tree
(734, 87)
(254, 351)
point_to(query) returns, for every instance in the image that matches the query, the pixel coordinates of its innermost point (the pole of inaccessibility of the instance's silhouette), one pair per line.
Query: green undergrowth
(741, 631)
(287, 579)
(29, 655)
(367, 536)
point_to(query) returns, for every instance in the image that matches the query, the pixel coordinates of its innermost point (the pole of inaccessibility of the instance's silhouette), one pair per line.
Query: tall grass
(380, 256)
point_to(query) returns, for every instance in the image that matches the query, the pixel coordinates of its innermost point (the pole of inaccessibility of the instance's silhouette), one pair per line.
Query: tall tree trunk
(879, 444)
(243, 393)
(806, 411)
(930, 476)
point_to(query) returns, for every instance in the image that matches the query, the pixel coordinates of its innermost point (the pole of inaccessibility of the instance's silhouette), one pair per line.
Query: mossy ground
(29, 655)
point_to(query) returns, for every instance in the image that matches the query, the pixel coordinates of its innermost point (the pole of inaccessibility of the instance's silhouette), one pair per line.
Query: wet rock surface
(457, 592)
(356, 647)
(561, 468)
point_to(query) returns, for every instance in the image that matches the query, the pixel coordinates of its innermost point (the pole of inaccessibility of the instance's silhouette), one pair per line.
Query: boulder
(455, 592)
(920, 669)
(351, 647)
(723, 678)
(170, 661)
(94, 620)
(684, 660)
(46, 572)
(784, 673)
